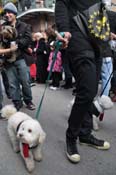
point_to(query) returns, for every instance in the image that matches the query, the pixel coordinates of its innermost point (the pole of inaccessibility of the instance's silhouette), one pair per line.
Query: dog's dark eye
(29, 130)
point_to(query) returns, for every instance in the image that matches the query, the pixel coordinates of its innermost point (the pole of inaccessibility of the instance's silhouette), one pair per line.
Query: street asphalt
(53, 118)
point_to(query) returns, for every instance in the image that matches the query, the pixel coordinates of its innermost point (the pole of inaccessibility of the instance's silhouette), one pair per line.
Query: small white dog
(26, 135)
(101, 104)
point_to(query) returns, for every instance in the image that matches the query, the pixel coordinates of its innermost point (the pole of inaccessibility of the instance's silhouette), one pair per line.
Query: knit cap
(11, 8)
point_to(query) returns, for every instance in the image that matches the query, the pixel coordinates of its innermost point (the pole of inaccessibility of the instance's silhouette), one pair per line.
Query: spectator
(22, 5)
(106, 71)
(28, 4)
(42, 60)
(4, 51)
(67, 71)
(57, 68)
(17, 71)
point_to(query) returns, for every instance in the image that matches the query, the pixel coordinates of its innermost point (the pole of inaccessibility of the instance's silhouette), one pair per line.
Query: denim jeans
(1, 94)
(106, 70)
(18, 78)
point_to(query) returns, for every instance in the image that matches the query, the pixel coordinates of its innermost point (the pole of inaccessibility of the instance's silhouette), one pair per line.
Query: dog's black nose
(20, 135)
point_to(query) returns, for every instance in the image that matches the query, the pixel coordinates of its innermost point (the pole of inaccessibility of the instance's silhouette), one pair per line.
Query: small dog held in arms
(8, 35)
(26, 135)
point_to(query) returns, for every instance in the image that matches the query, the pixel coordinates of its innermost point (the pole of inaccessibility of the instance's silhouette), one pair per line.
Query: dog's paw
(30, 165)
(38, 157)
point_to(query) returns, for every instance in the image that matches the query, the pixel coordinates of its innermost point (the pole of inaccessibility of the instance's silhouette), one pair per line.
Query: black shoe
(30, 106)
(18, 105)
(94, 142)
(72, 151)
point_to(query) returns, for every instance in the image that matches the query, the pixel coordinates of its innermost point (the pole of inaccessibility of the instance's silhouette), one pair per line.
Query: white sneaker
(54, 88)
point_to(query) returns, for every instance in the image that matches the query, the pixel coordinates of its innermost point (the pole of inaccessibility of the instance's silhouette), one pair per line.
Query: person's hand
(35, 49)
(65, 40)
(112, 36)
(29, 50)
(13, 47)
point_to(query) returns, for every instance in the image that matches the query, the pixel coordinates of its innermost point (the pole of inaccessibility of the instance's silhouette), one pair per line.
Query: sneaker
(94, 142)
(72, 151)
(18, 105)
(32, 84)
(54, 88)
(30, 106)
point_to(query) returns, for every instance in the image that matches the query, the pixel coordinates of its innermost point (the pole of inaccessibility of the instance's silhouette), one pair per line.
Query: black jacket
(24, 37)
(66, 9)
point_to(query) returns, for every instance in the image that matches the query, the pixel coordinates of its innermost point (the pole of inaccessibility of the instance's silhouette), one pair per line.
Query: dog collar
(19, 126)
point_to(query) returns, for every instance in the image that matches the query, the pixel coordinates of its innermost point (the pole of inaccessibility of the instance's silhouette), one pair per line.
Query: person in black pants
(85, 65)
(67, 71)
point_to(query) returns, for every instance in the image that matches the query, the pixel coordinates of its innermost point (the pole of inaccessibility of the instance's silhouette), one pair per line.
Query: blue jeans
(18, 75)
(1, 94)
(106, 70)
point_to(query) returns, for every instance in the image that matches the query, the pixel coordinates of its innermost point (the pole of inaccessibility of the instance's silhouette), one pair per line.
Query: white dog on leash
(26, 135)
(101, 104)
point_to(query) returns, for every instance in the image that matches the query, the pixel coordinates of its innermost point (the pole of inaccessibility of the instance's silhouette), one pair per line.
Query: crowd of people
(77, 59)
(23, 5)
(34, 53)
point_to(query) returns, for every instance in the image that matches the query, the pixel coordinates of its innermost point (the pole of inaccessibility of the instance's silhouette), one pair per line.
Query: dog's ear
(42, 137)
(10, 29)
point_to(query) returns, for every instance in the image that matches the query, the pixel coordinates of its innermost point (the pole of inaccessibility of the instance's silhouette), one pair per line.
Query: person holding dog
(3, 52)
(17, 71)
(85, 63)
(8, 50)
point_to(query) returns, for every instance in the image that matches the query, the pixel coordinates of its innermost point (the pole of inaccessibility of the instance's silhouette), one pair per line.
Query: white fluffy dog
(26, 135)
(101, 103)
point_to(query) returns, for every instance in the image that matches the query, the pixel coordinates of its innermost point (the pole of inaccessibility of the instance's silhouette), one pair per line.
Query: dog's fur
(7, 35)
(23, 129)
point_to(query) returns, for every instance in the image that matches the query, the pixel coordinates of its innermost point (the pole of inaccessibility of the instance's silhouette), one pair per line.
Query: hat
(11, 8)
